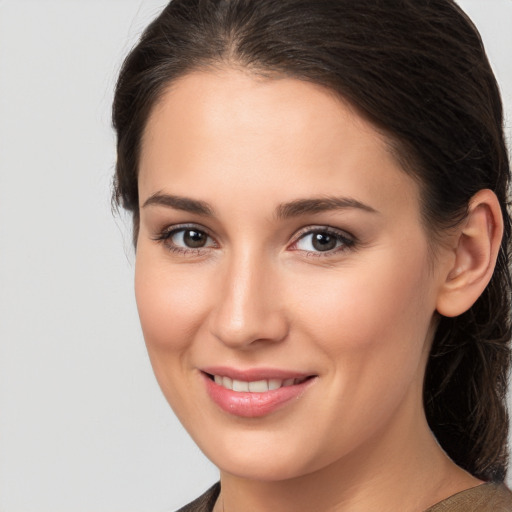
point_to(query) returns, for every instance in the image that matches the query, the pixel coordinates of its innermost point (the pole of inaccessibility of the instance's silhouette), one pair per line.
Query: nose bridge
(248, 307)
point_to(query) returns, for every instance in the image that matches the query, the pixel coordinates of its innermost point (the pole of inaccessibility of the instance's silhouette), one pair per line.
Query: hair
(416, 69)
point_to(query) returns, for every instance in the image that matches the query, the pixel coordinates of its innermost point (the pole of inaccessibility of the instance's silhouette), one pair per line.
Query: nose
(248, 309)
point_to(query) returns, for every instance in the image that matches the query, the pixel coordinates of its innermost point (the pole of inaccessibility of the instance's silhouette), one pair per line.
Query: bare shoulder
(483, 498)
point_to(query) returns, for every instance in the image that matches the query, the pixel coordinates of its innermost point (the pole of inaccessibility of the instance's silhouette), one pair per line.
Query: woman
(319, 193)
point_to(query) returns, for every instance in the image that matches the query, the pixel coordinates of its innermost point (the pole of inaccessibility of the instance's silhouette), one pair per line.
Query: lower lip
(254, 405)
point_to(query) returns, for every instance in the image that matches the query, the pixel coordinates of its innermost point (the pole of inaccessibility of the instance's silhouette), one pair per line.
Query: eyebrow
(284, 211)
(318, 205)
(185, 204)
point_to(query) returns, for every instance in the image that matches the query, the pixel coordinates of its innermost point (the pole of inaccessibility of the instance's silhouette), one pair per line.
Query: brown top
(483, 498)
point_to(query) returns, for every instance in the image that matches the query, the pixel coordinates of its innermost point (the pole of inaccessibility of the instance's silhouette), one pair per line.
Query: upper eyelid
(175, 228)
(323, 229)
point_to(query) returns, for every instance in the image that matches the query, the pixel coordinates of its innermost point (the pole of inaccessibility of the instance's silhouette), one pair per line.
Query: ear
(476, 249)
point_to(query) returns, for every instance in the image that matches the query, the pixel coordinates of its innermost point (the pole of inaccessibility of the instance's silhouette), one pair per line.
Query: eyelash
(165, 238)
(346, 240)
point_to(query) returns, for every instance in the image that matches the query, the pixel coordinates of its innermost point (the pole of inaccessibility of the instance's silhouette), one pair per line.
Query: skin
(360, 318)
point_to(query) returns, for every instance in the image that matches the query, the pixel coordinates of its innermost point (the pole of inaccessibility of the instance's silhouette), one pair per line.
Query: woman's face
(280, 253)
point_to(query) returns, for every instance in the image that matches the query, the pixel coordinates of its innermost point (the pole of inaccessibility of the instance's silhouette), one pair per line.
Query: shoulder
(205, 502)
(483, 498)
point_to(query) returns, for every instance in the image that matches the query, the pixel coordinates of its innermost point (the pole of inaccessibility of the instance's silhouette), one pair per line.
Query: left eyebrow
(180, 203)
(300, 207)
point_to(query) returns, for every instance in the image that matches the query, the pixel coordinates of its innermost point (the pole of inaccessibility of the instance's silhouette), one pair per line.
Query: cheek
(383, 304)
(171, 308)
(170, 304)
(372, 326)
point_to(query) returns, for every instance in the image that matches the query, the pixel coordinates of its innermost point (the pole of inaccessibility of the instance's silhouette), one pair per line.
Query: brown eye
(194, 239)
(183, 239)
(325, 240)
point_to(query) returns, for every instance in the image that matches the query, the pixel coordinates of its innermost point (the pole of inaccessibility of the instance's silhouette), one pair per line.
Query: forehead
(217, 103)
(279, 138)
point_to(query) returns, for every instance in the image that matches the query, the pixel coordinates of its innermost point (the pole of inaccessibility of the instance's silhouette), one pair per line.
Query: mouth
(256, 393)
(255, 386)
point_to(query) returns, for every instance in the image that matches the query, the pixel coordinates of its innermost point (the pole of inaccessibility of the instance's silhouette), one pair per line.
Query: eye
(184, 239)
(325, 240)
(189, 238)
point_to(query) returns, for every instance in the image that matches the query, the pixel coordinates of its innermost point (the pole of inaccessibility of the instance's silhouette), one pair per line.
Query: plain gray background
(83, 425)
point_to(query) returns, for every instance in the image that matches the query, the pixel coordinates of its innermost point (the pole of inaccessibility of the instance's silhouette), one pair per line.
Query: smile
(255, 386)
(257, 393)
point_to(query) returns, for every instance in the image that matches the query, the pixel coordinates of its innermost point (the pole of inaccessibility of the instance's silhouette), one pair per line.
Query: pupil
(194, 239)
(323, 242)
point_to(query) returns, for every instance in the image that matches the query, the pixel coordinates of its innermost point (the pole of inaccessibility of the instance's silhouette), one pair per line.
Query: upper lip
(254, 374)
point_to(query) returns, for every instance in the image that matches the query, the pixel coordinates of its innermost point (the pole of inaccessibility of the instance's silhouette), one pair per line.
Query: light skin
(256, 168)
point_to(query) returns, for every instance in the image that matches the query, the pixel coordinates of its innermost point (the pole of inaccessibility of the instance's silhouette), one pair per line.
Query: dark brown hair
(418, 71)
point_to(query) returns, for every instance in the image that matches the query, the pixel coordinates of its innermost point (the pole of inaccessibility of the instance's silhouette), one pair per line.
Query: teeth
(257, 386)
(240, 385)
(274, 383)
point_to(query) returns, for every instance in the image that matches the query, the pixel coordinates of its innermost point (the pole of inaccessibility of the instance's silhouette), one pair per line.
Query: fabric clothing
(205, 502)
(483, 498)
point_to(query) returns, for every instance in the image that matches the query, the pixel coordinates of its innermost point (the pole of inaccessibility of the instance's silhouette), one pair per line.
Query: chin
(264, 460)
(265, 469)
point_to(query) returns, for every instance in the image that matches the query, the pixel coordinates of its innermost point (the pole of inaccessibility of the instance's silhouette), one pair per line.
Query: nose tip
(239, 332)
(248, 311)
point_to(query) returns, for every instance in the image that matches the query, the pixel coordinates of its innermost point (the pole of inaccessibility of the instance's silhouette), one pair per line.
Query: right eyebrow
(180, 203)
(314, 205)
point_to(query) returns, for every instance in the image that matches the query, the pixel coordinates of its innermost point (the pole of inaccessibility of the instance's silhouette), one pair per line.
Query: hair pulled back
(418, 71)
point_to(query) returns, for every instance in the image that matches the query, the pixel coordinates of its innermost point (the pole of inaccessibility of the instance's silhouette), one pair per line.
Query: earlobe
(476, 250)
